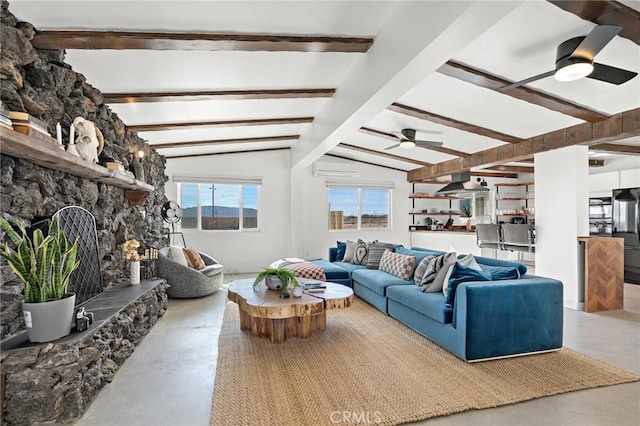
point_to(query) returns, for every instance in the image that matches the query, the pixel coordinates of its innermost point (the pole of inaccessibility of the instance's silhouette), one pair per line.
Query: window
(219, 206)
(359, 208)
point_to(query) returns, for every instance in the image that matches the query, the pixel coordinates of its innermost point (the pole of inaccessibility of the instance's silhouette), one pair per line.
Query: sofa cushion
(461, 274)
(436, 271)
(376, 250)
(211, 270)
(361, 253)
(377, 281)
(342, 246)
(400, 265)
(418, 254)
(429, 304)
(468, 261)
(488, 263)
(348, 266)
(498, 273)
(349, 251)
(332, 270)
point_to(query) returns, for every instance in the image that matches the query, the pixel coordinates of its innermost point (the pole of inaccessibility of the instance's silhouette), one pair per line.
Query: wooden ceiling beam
(223, 142)
(450, 122)
(214, 95)
(225, 153)
(383, 154)
(605, 12)
(496, 175)
(619, 126)
(226, 123)
(366, 162)
(616, 148)
(122, 40)
(525, 93)
(514, 169)
(391, 136)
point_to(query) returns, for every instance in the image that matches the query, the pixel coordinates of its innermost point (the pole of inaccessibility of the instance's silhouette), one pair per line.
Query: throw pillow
(505, 274)
(361, 253)
(177, 255)
(342, 246)
(349, 251)
(434, 277)
(421, 269)
(468, 261)
(397, 264)
(461, 274)
(194, 259)
(376, 250)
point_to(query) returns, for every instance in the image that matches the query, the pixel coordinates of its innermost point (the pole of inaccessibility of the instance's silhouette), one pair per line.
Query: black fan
(172, 213)
(574, 60)
(408, 140)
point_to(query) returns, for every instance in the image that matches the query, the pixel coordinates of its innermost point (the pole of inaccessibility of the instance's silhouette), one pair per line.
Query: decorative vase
(469, 225)
(273, 282)
(134, 272)
(49, 320)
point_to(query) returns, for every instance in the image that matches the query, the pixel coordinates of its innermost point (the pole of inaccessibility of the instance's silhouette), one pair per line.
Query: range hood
(460, 184)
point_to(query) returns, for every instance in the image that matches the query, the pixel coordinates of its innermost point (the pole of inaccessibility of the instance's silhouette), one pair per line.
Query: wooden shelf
(515, 184)
(514, 198)
(50, 155)
(433, 197)
(435, 214)
(514, 214)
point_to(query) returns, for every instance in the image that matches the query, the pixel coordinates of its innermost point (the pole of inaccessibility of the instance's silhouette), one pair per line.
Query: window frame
(359, 189)
(241, 203)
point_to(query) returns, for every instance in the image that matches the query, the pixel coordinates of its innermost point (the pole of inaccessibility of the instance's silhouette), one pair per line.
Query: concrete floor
(169, 379)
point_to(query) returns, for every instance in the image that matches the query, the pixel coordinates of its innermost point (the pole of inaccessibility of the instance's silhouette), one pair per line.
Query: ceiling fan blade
(528, 80)
(392, 146)
(596, 40)
(434, 144)
(611, 75)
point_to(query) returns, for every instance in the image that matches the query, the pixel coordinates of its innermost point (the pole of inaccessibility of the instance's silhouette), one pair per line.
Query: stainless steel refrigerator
(626, 224)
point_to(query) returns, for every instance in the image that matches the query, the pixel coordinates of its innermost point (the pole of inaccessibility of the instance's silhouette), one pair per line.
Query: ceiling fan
(574, 60)
(408, 140)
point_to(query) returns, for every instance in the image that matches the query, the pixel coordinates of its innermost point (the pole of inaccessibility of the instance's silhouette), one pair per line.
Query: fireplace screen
(86, 281)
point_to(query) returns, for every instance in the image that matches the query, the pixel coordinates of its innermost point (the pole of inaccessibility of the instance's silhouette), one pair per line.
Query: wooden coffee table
(266, 314)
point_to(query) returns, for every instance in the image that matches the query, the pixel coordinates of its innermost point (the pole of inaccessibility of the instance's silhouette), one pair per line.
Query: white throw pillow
(178, 256)
(469, 261)
(349, 252)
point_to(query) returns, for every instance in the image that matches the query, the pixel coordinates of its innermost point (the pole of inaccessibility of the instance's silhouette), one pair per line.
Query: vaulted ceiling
(199, 78)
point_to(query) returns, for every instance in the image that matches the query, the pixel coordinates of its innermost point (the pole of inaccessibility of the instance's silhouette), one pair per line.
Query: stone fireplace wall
(40, 83)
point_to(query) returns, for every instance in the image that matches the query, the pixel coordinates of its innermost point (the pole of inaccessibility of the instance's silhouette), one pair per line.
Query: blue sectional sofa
(488, 319)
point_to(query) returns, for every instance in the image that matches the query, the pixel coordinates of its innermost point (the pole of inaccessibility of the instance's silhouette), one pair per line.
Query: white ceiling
(513, 40)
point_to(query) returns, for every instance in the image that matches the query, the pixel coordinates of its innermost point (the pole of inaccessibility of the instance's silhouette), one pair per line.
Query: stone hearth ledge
(57, 381)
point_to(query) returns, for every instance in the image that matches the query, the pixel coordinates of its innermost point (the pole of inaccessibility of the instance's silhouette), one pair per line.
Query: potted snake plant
(276, 279)
(44, 265)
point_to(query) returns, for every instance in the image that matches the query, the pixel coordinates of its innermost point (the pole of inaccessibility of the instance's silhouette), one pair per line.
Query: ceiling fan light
(574, 71)
(407, 144)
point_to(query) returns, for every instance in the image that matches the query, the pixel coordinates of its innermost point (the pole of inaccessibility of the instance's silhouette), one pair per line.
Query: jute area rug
(374, 370)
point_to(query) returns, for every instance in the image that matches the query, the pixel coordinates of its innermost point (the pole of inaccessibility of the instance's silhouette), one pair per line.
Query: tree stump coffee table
(266, 314)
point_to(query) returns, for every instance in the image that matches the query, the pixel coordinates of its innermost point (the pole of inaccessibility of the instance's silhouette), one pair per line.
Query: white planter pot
(134, 273)
(49, 320)
(273, 282)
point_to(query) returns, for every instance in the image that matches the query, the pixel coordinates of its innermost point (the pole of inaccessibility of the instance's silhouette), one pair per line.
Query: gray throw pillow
(375, 254)
(434, 277)
(361, 253)
(421, 269)
(349, 251)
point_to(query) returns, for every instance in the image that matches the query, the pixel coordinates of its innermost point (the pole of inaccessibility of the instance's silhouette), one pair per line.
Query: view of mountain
(219, 211)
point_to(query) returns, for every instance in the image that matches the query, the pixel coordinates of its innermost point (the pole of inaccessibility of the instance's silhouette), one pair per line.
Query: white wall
(243, 251)
(293, 208)
(562, 214)
(601, 184)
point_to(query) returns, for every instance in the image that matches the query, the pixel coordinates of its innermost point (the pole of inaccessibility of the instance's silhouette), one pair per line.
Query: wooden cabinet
(50, 155)
(515, 200)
